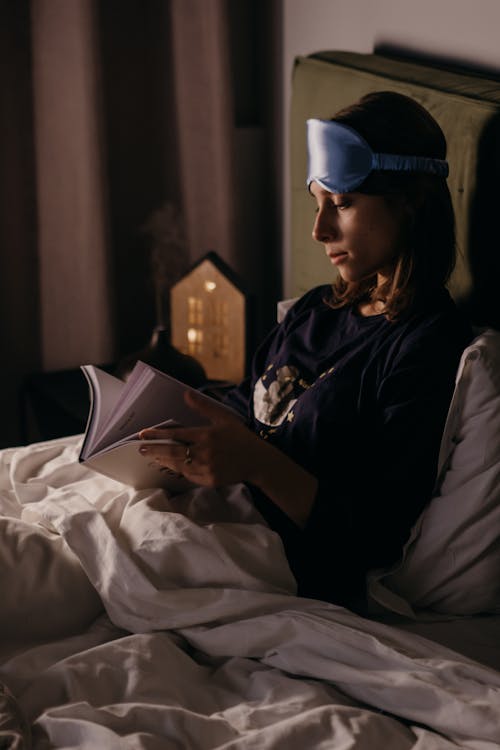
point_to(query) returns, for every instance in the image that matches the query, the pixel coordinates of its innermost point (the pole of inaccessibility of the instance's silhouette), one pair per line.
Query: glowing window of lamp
(208, 317)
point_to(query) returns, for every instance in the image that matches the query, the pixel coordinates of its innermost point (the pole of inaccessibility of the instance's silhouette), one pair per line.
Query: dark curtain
(177, 109)
(19, 300)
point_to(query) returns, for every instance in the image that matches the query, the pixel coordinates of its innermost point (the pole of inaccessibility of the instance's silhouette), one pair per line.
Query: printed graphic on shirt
(275, 394)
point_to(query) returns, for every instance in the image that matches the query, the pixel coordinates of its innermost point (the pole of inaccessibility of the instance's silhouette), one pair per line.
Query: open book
(120, 410)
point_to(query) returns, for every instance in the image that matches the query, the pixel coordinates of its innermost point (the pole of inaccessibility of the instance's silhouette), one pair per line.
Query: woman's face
(361, 233)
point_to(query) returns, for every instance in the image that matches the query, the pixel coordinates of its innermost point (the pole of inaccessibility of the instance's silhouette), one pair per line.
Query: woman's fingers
(172, 455)
(214, 454)
(167, 451)
(159, 435)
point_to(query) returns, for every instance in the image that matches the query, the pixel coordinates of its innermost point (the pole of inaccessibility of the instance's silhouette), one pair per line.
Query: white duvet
(196, 638)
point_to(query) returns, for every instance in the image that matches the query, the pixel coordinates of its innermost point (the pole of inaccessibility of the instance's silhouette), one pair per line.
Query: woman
(347, 399)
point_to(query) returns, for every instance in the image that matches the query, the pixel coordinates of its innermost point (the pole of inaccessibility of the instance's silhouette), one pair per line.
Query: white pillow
(451, 563)
(284, 306)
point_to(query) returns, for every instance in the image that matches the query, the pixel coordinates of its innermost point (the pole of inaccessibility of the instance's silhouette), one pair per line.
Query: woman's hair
(395, 124)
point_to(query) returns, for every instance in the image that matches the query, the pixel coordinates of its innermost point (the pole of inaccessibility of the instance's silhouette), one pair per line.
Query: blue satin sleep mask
(340, 159)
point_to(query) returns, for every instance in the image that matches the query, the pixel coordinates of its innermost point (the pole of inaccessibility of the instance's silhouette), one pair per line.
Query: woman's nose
(323, 227)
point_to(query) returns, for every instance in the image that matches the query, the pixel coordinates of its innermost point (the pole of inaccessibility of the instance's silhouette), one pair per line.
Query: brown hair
(395, 124)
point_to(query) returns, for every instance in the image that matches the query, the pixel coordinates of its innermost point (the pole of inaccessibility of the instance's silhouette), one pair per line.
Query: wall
(451, 31)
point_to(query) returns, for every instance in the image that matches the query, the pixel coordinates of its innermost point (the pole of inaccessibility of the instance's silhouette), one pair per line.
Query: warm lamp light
(208, 319)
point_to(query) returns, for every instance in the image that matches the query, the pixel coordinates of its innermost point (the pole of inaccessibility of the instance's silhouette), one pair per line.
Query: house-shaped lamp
(208, 318)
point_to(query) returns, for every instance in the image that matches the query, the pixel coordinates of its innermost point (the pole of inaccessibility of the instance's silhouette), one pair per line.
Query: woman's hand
(222, 452)
(225, 452)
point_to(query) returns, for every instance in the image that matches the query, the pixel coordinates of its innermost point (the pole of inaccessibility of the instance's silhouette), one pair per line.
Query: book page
(148, 398)
(105, 391)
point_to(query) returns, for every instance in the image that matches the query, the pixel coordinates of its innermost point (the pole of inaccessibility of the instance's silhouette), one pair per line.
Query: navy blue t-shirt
(360, 402)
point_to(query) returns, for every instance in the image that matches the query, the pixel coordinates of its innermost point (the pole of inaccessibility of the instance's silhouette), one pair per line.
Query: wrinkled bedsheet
(135, 620)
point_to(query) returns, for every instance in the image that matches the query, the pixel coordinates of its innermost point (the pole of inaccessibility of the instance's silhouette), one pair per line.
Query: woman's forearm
(285, 482)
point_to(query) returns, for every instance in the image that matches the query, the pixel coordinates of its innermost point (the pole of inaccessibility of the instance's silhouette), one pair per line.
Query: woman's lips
(337, 257)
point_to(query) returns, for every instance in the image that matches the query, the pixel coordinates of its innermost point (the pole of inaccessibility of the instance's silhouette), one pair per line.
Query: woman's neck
(371, 308)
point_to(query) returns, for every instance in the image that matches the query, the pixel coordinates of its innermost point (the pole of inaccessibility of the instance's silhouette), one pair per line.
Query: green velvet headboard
(468, 109)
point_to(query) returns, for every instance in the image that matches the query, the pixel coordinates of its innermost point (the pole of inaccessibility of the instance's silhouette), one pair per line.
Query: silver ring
(189, 458)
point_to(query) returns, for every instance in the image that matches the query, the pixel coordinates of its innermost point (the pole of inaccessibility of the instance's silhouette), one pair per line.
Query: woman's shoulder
(436, 324)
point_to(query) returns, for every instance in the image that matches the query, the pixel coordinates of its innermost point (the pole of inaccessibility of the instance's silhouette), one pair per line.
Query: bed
(135, 620)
